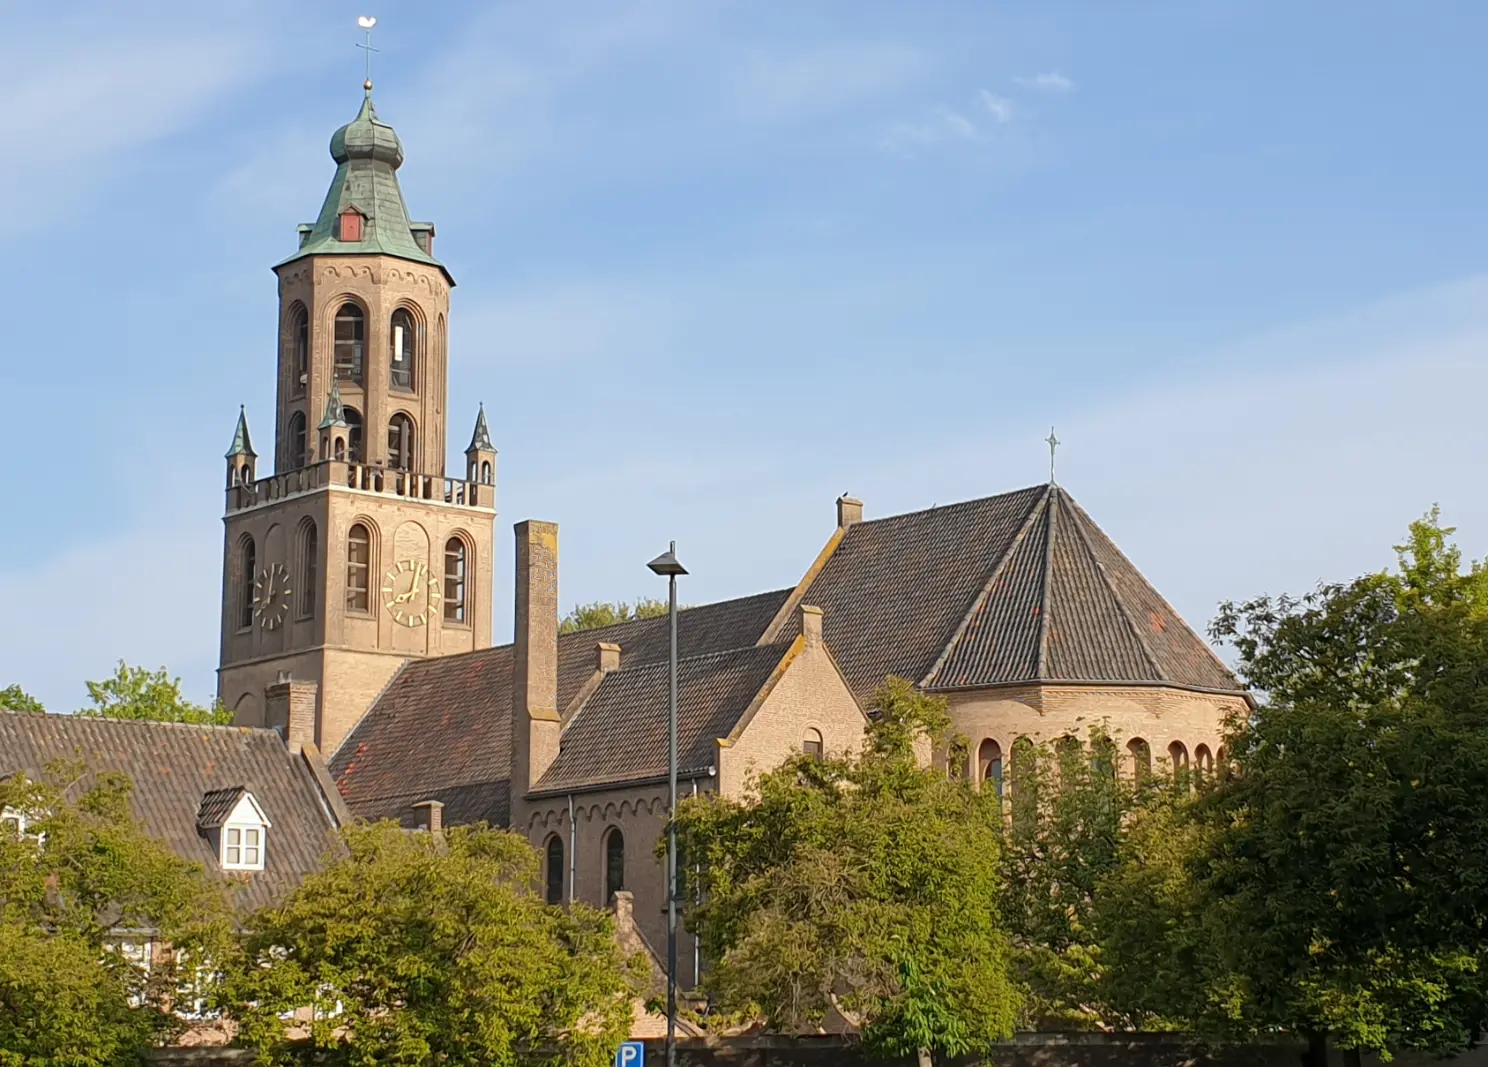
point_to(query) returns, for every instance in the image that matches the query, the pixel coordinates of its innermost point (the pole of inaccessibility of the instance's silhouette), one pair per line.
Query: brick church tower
(358, 552)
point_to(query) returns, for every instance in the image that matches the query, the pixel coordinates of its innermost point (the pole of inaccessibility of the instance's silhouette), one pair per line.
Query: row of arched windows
(304, 570)
(614, 866)
(990, 772)
(349, 347)
(400, 451)
(457, 565)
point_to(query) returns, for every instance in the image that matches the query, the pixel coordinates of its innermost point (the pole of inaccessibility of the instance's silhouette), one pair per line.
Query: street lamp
(668, 564)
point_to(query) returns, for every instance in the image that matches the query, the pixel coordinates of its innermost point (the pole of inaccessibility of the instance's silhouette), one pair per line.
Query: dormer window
(237, 827)
(351, 226)
(13, 822)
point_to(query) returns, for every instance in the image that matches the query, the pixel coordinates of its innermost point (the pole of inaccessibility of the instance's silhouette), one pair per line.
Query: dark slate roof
(1022, 587)
(442, 728)
(174, 767)
(217, 805)
(620, 734)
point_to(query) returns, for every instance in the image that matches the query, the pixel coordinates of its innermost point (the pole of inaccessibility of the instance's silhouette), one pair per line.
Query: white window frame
(16, 818)
(243, 846)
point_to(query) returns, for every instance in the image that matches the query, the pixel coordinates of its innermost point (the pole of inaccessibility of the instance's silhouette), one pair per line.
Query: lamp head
(667, 563)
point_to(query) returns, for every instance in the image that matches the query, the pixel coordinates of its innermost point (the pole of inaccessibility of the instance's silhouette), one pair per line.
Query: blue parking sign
(630, 1054)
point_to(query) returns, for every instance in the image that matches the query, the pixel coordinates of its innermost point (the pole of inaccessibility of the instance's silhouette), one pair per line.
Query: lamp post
(667, 564)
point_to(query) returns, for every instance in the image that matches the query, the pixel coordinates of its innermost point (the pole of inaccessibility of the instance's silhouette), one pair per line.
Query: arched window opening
(485, 473)
(811, 743)
(554, 879)
(309, 568)
(297, 440)
(338, 449)
(455, 563)
(351, 343)
(400, 374)
(1178, 757)
(400, 442)
(1141, 757)
(247, 568)
(1068, 752)
(353, 419)
(614, 864)
(1025, 786)
(1203, 762)
(299, 340)
(358, 568)
(989, 765)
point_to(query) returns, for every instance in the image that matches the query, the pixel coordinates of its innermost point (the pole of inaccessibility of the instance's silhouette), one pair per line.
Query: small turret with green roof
(241, 459)
(367, 154)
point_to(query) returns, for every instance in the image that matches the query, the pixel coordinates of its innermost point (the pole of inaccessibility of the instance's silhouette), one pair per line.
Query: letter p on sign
(630, 1054)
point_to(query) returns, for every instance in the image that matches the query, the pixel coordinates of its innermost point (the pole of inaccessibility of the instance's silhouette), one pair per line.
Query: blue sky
(719, 262)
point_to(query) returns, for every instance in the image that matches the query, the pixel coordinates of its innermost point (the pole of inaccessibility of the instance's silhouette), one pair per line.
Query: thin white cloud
(826, 80)
(999, 107)
(942, 126)
(1048, 82)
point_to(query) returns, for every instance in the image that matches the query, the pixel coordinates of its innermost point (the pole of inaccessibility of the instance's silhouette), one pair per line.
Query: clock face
(410, 593)
(271, 596)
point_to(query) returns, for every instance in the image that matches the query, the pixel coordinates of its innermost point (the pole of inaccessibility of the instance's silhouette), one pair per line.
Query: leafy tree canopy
(14, 698)
(83, 872)
(608, 613)
(137, 693)
(1343, 862)
(431, 948)
(867, 884)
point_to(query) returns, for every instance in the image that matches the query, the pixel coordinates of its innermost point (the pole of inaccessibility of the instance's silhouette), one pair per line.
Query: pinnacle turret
(480, 440)
(335, 414)
(242, 444)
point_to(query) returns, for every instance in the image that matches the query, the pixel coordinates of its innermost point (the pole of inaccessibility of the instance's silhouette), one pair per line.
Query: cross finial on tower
(366, 22)
(1053, 443)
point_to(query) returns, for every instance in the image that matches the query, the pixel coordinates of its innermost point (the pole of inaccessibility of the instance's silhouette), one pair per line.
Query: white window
(13, 822)
(242, 848)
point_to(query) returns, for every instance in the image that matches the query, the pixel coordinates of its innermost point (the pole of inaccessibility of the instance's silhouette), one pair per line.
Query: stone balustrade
(362, 477)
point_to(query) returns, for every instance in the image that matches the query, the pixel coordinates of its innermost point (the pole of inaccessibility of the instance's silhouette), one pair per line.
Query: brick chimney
(849, 510)
(811, 625)
(429, 815)
(535, 717)
(609, 657)
(290, 705)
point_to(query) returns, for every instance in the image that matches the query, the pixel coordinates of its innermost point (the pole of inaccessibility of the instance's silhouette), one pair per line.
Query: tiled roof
(217, 805)
(620, 734)
(442, 729)
(1020, 587)
(174, 767)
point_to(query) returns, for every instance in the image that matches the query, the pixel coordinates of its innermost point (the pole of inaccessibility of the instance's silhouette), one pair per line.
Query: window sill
(455, 624)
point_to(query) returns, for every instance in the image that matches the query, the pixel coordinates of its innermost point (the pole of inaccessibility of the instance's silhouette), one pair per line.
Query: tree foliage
(865, 883)
(138, 693)
(14, 698)
(431, 948)
(608, 613)
(82, 872)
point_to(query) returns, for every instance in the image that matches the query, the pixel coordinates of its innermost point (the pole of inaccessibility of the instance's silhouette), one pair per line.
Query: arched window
(485, 473)
(554, 879)
(811, 743)
(1178, 757)
(299, 340)
(989, 765)
(358, 568)
(614, 864)
(1069, 753)
(400, 442)
(400, 374)
(353, 419)
(297, 440)
(455, 562)
(247, 568)
(351, 343)
(1141, 758)
(309, 567)
(1203, 762)
(1025, 786)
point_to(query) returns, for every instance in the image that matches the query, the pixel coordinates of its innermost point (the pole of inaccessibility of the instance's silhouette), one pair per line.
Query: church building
(356, 603)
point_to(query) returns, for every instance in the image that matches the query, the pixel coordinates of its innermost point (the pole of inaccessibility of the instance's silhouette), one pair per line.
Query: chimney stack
(291, 706)
(811, 625)
(535, 716)
(609, 657)
(849, 510)
(429, 815)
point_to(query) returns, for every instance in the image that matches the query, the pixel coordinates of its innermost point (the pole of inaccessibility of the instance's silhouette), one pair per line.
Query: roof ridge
(1051, 518)
(73, 716)
(947, 507)
(980, 600)
(1158, 674)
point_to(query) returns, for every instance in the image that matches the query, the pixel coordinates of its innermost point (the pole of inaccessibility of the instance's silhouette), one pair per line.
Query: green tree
(81, 873)
(608, 613)
(431, 948)
(137, 693)
(14, 698)
(1344, 858)
(867, 884)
